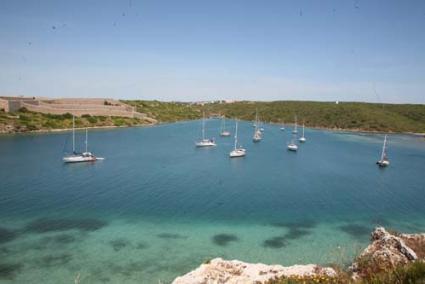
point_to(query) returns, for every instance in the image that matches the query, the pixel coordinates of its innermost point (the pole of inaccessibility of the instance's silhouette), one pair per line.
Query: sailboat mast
(383, 148)
(203, 126)
(87, 141)
(296, 126)
(73, 134)
(236, 134)
(303, 129)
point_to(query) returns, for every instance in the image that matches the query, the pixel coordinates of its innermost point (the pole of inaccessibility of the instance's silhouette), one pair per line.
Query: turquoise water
(157, 207)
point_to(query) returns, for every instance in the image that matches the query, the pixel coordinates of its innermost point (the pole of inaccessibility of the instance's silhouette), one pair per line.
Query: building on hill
(77, 107)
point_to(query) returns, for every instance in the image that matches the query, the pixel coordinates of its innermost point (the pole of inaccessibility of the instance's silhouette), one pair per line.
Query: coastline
(55, 130)
(333, 129)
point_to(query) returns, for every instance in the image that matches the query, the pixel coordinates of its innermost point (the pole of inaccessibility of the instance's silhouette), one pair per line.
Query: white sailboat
(205, 142)
(80, 157)
(224, 132)
(302, 138)
(237, 151)
(283, 126)
(383, 161)
(295, 131)
(292, 146)
(257, 133)
(261, 127)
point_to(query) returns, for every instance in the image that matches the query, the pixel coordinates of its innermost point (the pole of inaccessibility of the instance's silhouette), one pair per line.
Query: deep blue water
(157, 206)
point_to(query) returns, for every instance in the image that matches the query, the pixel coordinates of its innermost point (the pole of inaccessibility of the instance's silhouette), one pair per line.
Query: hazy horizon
(360, 51)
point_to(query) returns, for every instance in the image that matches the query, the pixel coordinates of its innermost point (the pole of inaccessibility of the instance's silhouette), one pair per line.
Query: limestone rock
(233, 271)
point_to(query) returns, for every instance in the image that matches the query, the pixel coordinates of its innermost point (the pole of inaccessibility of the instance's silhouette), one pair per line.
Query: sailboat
(257, 133)
(224, 132)
(283, 126)
(302, 138)
(292, 146)
(80, 157)
(205, 142)
(237, 151)
(295, 131)
(383, 161)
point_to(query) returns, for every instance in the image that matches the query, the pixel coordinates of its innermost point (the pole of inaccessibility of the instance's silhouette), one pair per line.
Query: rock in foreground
(388, 251)
(233, 271)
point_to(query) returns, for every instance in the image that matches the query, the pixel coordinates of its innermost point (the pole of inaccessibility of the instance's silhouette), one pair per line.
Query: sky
(196, 50)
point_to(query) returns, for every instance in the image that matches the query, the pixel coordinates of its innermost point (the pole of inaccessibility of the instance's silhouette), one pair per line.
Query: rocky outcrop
(387, 251)
(233, 271)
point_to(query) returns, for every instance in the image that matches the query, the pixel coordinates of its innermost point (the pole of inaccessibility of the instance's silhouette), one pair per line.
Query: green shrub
(67, 115)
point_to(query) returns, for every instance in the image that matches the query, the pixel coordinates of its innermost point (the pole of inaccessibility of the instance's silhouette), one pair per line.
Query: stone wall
(78, 110)
(4, 105)
(77, 107)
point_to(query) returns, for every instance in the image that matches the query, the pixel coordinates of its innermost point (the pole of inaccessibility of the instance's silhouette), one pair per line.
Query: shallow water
(157, 207)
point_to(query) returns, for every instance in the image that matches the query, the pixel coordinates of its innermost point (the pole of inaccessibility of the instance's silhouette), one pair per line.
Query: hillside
(346, 115)
(25, 121)
(354, 116)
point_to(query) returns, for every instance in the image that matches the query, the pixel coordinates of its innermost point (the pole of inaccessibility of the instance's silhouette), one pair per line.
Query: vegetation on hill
(167, 111)
(24, 120)
(345, 115)
(355, 116)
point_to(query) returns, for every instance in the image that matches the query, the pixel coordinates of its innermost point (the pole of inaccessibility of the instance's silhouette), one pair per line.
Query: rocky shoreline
(386, 251)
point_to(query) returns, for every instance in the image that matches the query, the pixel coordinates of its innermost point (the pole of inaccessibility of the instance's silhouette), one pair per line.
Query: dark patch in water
(224, 239)
(297, 229)
(4, 251)
(355, 230)
(54, 241)
(294, 234)
(119, 244)
(141, 246)
(56, 260)
(9, 270)
(170, 236)
(276, 242)
(62, 239)
(7, 235)
(44, 225)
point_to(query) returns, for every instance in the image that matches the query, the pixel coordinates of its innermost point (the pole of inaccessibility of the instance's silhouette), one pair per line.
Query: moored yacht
(283, 126)
(224, 132)
(204, 142)
(80, 157)
(257, 132)
(295, 130)
(302, 138)
(292, 146)
(237, 151)
(383, 161)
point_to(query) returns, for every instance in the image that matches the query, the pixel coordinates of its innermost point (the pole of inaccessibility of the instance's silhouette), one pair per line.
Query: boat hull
(205, 143)
(78, 159)
(293, 148)
(225, 134)
(383, 164)
(237, 153)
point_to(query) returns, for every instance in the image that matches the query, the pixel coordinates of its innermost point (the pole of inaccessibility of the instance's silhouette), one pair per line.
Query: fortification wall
(4, 105)
(83, 109)
(77, 107)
